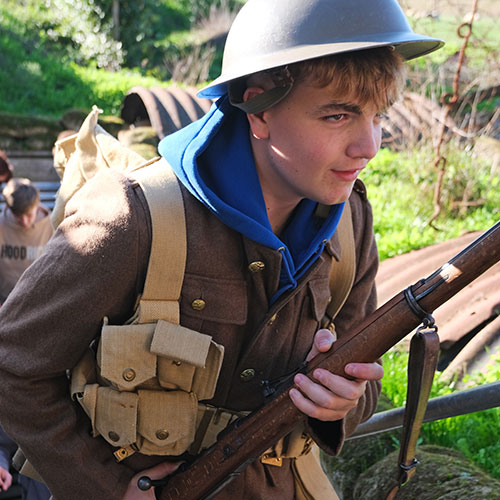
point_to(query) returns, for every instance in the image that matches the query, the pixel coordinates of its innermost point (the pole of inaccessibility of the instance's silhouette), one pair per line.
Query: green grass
(485, 38)
(400, 188)
(476, 435)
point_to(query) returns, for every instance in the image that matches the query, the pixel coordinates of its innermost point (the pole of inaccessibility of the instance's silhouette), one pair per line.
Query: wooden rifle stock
(246, 439)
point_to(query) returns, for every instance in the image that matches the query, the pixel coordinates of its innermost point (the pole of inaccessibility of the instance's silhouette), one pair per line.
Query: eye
(379, 117)
(336, 117)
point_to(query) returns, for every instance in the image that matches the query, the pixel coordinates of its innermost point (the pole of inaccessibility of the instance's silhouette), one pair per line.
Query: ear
(258, 125)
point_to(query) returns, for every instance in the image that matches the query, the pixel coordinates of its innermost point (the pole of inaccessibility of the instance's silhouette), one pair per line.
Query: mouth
(347, 175)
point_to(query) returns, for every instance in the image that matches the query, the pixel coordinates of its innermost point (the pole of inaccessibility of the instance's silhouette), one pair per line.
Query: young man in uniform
(296, 121)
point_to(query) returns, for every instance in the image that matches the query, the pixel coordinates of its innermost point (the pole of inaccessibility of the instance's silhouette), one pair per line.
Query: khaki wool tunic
(95, 266)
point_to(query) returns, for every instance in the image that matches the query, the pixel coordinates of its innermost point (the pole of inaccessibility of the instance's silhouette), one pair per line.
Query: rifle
(249, 437)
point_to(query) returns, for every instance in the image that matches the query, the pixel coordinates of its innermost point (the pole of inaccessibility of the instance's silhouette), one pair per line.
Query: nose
(366, 140)
(25, 221)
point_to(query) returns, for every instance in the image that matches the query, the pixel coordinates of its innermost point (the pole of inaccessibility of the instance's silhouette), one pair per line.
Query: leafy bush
(75, 30)
(34, 82)
(144, 27)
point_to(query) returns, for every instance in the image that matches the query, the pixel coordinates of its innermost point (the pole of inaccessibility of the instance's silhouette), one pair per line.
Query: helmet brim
(409, 47)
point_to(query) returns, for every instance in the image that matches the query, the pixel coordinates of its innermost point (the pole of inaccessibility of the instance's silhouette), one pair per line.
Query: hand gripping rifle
(247, 438)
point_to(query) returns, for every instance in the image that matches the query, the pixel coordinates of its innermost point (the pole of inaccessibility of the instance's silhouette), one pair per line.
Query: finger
(5, 480)
(323, 340)
(330, 391)
(365, 371)
(161, 470)
(312, 410)
(5, 483)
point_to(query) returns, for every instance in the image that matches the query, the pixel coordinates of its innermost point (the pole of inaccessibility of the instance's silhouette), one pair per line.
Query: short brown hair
(20, 195)
(5, 167)
(372, 75)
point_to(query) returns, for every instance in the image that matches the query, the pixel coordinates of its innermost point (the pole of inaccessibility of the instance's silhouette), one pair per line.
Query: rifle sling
(424, 350)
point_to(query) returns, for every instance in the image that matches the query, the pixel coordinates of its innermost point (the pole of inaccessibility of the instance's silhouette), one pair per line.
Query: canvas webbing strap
(342, 271)
(311, 483)
(167, 260)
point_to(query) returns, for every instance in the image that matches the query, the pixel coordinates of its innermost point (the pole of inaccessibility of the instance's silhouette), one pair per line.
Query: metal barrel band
(406, 469)
(428, 322)
(415, 307)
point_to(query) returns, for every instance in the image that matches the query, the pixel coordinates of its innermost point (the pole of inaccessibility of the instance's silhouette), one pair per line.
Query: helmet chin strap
(281, 77)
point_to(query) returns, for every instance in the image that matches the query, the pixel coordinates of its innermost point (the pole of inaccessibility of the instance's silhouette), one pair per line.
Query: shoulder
(110, 207)
(108, 197)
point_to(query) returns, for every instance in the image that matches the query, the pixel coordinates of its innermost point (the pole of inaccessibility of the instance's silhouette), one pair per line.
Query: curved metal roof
(167, 109)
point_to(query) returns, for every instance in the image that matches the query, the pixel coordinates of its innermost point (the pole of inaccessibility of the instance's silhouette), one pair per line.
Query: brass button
(176, 363)
(247, 375)
(162, 434)
(128, 374)
(272, 319)
(113, 436)
(257, 266)
(198, 304)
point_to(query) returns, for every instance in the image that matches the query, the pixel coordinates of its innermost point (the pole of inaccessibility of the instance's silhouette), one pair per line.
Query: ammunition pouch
(142, 390)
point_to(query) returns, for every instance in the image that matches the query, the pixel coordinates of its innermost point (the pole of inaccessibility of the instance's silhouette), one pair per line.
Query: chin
(337, 198)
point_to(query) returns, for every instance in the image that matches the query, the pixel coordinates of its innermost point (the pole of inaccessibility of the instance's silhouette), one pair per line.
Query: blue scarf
(212, 157)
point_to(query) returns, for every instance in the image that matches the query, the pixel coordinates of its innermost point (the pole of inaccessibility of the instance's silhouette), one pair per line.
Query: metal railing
(479, 398)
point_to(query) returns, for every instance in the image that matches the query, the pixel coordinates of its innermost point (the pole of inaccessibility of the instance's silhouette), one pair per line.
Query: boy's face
(314, 144)
(28, 218)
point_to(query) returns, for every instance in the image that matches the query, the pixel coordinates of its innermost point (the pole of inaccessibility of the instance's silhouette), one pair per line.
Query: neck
(278, 217)
(279, 203)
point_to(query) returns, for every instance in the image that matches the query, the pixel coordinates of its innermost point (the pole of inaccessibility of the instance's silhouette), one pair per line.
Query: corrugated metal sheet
(167, 109)
(467, 322)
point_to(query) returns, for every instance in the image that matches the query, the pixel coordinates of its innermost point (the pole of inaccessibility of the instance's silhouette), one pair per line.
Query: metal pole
(478, 398)
(116, 19)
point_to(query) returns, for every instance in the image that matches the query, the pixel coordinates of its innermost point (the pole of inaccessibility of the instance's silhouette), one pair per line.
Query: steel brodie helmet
(271, 33)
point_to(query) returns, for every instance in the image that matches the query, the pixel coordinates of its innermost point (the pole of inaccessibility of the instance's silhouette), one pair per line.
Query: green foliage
(144, 27)
(476, 435)
(401, 189)
(200, 9)
(37, 81)
(73, 30)
(107, 90)
(38, 84)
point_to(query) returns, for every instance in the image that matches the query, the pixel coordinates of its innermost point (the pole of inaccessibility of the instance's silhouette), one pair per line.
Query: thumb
(323, 340)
